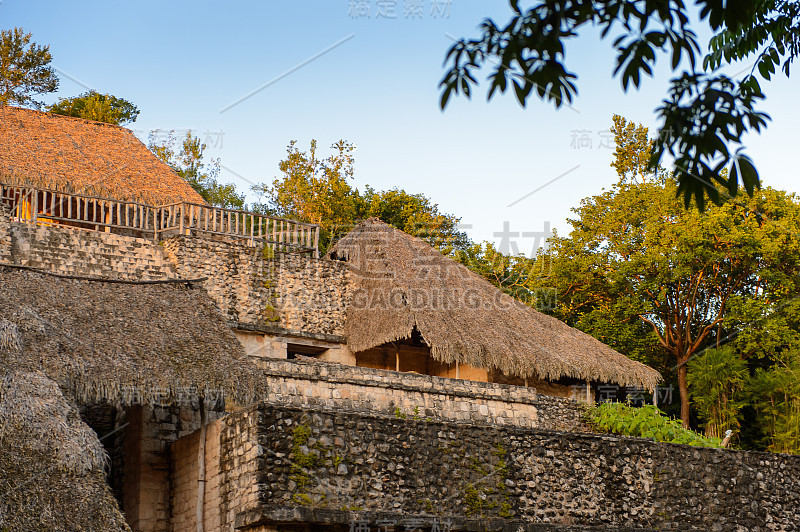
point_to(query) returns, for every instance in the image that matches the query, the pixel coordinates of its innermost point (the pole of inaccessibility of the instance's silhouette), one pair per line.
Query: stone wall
(146, 492)
(185, 479)
(409, 396)
(333, 467)
(79, 252)
(253, 287)
(287, 293)
(242, 465)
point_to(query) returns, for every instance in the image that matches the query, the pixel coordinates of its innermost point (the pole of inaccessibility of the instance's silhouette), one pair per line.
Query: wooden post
(588, 392)
(316, 242)
(397, 360)
(655, 396)
(458, 374)
(35, 206)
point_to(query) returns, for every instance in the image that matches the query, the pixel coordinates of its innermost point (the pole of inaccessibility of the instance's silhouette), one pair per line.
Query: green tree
(705, 113)
(314, 190)
(99, 107)
(717, 379)
(776, 398)
(318, 190)
(693, 278)
(415, 214)
(25, 69)
(189, 163)
(678, 270)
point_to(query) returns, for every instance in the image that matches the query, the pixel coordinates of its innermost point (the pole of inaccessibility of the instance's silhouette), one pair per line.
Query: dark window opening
(295, 350)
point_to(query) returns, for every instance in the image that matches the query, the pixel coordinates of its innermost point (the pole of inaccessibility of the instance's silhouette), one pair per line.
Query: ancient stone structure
(337, 447)
(412, 396)
(269, 298)
(337, 469)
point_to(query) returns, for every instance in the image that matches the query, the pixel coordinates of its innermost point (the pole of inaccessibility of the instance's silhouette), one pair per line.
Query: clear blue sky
(183, 62)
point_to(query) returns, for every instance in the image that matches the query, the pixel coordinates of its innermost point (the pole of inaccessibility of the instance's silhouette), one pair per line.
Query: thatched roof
(51, 463)
(121, 342)
(403, 283)
(84, 157)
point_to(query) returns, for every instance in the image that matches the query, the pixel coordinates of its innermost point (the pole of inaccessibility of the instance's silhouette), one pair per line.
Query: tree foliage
(717, 380)
(314, 190)
(415, 214)
(638, 256)
(705, 114)
(99, 107)
(25, 69)
(318, 190)
(775, 395)
(189, 163)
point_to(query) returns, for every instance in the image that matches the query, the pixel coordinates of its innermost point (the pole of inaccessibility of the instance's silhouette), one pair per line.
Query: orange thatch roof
(84, 157)
(402, 283)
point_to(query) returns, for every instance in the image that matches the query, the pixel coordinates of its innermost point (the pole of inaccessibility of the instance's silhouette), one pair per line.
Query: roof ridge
(58, 116)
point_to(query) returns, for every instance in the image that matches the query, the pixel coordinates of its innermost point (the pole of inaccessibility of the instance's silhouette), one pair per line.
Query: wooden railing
(46, 207)
(283, 235)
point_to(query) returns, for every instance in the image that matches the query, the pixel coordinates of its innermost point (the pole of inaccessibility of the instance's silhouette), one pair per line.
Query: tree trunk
(683, 388)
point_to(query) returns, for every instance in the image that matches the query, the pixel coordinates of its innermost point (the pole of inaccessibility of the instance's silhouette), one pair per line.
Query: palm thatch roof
(84, 157)
(123, 343)
(402, 283)
(51, 463)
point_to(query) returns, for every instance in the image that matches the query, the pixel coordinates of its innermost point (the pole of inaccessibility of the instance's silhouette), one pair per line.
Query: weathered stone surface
(5, 233)
(479, 474)
(254, 287)
(72, 251)
(414, 396)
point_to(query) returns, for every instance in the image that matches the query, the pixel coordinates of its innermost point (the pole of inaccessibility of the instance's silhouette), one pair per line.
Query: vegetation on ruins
(645, 422)
(717, 381)
(26, 72)
(662, 282)
(188, 161)
(92, 105)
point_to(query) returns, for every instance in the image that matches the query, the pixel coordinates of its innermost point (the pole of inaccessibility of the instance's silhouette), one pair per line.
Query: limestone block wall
(79, 252)
(257, 288)
(368, 468)
(312, 294)
(413, 396)
(146, 491)
(186, 480)
(240, 280)
(242, 465)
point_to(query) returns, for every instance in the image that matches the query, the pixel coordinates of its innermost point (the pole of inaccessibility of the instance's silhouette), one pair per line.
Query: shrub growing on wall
(644, 422)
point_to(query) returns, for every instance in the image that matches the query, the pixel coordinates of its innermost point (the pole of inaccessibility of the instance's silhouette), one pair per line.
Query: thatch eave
(401, 283)
(51, 463)
(123, 343)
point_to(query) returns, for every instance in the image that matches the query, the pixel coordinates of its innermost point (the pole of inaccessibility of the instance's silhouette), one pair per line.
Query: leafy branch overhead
(705, 114)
